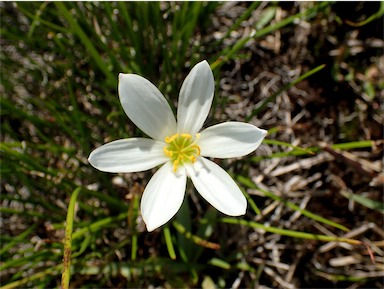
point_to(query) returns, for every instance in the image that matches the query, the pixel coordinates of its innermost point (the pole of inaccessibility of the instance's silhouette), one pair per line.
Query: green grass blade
(289, 233)
(68, 240)
(276, 142)
(196, 239)
(253, 205)
(26, 280)
(98, 225)
(364, 201)
(297, 151)
(169, 243)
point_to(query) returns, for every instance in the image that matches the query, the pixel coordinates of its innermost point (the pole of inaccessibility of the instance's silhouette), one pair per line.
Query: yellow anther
(172, 138)
(192, 158)
(186, 135)
(198, 150)
(167, 152)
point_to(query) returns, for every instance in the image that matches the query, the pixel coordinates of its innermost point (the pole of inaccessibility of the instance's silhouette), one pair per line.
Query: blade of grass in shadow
(8, 108)
(183, 27)
(196, 239)
(63, 119)
(28, 213)
(68, 240)
(39, 275)
(246, 14)
(31, 257)
(99, 225)
(378, 14)
(86, 41)
(247, 182)
(114, 203)
(16, 239)
(133, 38)
(36, 19)
(40, 20)
(183, 217)
(230, 52)
(117, 36)
(204, 231)
(28, 161)
(272, 97)
(77, 118)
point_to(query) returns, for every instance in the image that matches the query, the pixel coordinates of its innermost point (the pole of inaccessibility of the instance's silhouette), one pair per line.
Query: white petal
(230, 139)
(146, 106)
(217, 187)
(163, 196)
(195, 99)
(128, 155)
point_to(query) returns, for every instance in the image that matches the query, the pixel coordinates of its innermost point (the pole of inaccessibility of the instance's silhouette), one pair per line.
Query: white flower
(179, 147)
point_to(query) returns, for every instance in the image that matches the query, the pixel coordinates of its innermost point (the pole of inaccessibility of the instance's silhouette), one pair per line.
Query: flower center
(181, 149)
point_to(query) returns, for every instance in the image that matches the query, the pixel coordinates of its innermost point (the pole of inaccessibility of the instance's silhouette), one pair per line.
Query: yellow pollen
(182, 149)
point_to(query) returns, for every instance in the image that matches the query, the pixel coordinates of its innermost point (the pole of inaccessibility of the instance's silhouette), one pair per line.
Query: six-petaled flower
(180, 147)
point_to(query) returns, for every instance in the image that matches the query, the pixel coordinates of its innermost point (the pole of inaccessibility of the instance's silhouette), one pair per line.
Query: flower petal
(128, 155)
(230, 139)
(163, 196)
(195, 99)
(146, 106)
(217, 187)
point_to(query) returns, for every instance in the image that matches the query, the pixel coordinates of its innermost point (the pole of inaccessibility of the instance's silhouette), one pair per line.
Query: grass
(59, 68)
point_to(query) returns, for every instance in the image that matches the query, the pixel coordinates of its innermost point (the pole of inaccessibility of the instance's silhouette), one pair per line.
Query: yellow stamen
(172, 138)
(192, 158)
(167, 152)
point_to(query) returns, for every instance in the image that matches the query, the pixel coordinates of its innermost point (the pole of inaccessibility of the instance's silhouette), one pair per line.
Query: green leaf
(364, 201)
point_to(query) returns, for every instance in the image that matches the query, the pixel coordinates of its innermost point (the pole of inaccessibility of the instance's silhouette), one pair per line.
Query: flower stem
(68, 240)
